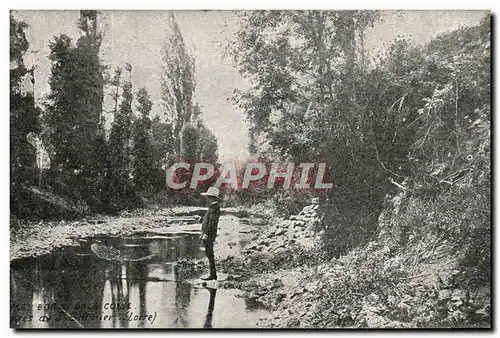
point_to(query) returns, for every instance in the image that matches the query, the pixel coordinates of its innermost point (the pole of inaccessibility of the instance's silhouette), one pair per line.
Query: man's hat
(212, 191)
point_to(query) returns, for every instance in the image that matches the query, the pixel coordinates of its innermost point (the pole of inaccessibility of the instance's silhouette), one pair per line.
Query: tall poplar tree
(177, 82)
(75, 124)
(142, 150)
(118, 192)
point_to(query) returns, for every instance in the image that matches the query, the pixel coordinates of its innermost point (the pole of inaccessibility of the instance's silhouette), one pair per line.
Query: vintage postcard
(250, 169)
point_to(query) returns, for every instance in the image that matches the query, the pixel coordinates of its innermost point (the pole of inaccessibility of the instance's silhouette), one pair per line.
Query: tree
(24, 118)
(75, 124)
(18, 47)
(207, 144)
(300, 62)
(142, 152)
(162, 148)
(305, 102)
(177, 82)
(190, 138)
(393, 127)
(118, 192)
(88, 46)
(189, 141)
(115, 82)
(161, 141)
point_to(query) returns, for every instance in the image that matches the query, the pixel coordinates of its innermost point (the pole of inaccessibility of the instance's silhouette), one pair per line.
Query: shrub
(290, 202)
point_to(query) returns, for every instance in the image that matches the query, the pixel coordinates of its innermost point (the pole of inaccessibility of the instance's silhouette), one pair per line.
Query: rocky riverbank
(366, 288)
(283, 233)
(369, 287)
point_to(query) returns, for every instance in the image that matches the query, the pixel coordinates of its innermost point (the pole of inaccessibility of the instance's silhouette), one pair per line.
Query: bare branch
(382, 164)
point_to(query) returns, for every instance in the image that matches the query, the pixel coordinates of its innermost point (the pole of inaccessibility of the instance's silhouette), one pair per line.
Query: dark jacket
(211, 221)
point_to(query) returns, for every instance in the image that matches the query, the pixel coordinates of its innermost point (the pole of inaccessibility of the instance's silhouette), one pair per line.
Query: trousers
(209, 251)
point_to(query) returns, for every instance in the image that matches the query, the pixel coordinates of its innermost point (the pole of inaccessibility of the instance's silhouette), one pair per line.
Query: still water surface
(74, 288)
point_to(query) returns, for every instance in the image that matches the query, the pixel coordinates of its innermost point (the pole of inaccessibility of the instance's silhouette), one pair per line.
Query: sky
(136, 37)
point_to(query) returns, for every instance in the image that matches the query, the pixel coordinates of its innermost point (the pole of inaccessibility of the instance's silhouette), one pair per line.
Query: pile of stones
(297, 229)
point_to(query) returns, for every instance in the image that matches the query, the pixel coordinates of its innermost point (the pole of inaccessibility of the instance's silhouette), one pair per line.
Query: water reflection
(182, 298)
(74, 288)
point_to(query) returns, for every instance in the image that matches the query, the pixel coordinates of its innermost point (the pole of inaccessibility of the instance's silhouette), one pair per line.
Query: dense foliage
(24, 119)
(406, 133)
(94, 168)
(143, 154)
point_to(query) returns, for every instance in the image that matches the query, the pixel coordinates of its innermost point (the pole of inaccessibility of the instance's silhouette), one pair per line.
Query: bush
(476, 262)
(371, 271)
(290, 202)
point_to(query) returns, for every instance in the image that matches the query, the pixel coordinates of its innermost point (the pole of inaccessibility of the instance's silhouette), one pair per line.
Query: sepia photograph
(250, 169)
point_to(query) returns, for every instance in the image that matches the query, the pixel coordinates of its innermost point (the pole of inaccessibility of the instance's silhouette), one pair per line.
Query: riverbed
(132, 281)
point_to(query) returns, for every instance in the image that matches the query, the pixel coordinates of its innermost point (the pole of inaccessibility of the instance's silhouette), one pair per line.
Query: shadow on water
(211, 303)
(74, 288)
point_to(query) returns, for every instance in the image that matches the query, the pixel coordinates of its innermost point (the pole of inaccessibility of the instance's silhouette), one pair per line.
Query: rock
(372, 309)
(444, 294)
(376, 321)
(403, 307)
(483, 312)
(252, 294)
(407, 298)
(392, 324)
(292, 217)
(299, 223)
(245, 231)
(96, 221)
(304, 209)
(284, 224)
(258, 221)
(279, 250)
(456, 301)
(458, 293)
(263, 242)
(279, 232)
(374, 298)
(312, 287)
(457, 315)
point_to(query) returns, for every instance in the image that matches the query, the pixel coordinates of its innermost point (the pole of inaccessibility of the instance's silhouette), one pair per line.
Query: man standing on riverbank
(209, 228)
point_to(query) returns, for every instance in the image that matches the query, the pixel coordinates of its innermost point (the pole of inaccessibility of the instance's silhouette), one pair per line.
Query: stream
(141, 287)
